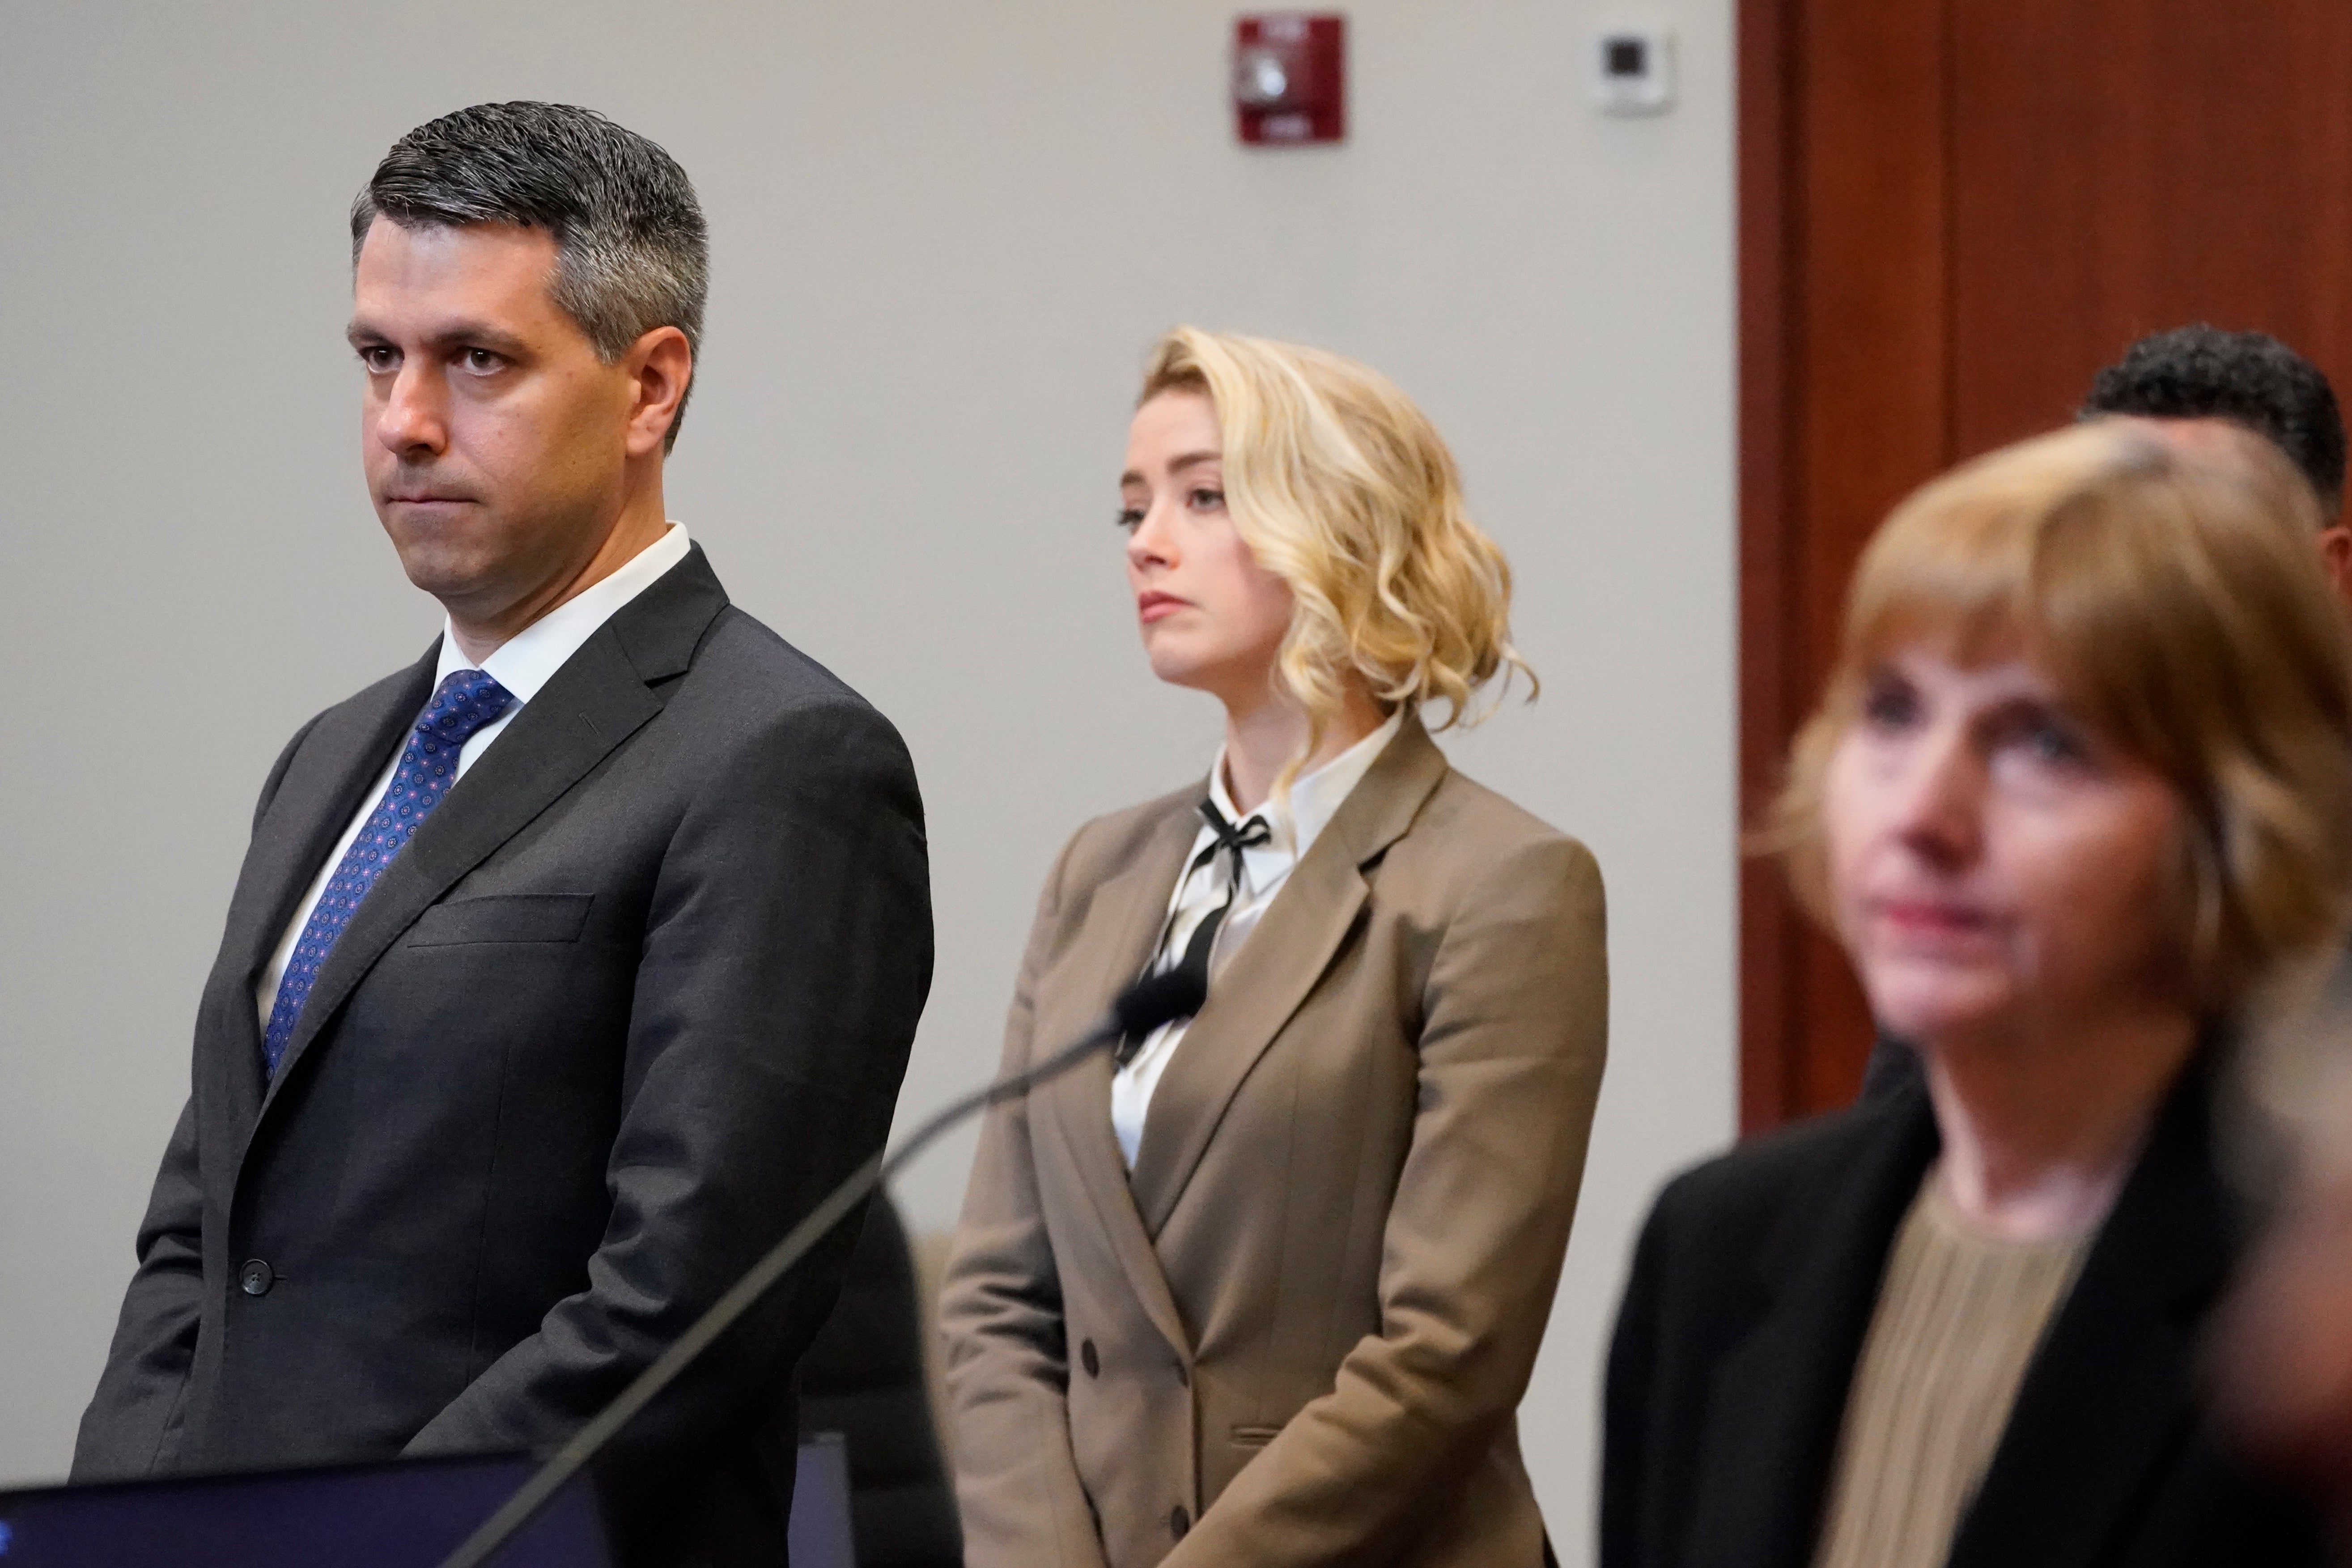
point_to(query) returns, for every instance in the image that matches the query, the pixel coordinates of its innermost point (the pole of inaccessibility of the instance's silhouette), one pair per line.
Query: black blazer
(632, 998)
(1753, 1286)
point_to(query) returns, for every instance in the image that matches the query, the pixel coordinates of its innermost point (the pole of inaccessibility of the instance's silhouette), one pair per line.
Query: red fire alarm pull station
(1290, 78)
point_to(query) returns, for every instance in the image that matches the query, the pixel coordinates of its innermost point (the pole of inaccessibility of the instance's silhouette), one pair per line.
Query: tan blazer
(1298, 1334)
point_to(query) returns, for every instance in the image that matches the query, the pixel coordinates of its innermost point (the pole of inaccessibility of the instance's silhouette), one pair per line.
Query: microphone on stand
(1154, 1000)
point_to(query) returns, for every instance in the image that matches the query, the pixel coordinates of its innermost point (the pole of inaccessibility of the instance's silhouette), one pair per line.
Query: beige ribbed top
(1958, 1316)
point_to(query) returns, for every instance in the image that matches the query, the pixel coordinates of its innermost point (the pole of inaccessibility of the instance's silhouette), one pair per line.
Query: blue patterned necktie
(466, 702)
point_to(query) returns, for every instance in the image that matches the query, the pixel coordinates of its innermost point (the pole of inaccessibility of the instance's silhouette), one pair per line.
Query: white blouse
(1292, 826)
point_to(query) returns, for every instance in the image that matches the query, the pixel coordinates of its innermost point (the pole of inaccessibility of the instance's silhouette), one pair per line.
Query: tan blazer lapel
(1122, 924)
(1263, 983)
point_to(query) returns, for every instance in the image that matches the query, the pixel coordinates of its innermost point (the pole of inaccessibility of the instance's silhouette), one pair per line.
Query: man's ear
(660, 367)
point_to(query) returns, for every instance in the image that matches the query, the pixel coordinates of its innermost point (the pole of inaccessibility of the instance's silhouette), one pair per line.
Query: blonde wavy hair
(2165, 580)
(1343, 488)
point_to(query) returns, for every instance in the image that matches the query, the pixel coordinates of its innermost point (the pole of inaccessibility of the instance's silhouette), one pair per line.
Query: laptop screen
(400, 1514)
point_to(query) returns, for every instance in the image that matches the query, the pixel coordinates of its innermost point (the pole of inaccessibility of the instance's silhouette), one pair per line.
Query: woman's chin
(1926, 1007)
(1174, 670)
(1195, 669)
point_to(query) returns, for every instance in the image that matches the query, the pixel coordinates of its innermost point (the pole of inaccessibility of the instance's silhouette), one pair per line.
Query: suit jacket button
(1179, 1521)
(1093, 1362)
(255, 1278)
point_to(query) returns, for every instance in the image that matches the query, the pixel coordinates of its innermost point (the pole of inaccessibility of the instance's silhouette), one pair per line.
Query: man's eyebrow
(456, 335)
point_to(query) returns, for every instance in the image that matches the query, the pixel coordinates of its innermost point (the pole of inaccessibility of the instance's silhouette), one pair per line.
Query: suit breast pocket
(503, 917)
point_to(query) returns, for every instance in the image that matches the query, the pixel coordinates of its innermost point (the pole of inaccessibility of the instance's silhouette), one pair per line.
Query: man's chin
(455, 577)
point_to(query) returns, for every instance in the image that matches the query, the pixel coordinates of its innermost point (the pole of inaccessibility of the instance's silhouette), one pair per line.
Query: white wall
(945, 234)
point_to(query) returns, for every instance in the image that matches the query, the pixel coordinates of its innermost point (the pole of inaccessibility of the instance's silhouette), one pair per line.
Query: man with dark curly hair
(2201, 372)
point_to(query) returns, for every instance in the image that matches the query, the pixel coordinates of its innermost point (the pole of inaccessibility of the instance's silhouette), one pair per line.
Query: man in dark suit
(567, 967)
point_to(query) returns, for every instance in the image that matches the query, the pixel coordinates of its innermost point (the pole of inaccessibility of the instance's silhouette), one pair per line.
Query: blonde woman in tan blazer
(1267, 1289)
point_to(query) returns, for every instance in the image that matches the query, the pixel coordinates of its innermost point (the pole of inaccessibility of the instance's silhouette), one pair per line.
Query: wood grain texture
(1862, 337)
(1953, 212)
(2122, 166)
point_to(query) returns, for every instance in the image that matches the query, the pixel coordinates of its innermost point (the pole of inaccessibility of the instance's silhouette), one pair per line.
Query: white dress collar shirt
(522, 664)
(1292, 828)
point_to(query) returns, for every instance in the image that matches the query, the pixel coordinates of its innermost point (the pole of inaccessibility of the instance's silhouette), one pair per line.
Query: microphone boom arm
(1154, 1000)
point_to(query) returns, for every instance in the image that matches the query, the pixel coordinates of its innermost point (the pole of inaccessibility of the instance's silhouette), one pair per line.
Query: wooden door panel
(2121, 166)
(1854, 397)
(1953, 212)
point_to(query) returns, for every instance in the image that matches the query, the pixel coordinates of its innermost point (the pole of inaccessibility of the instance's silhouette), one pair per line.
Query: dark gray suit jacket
(637, 993)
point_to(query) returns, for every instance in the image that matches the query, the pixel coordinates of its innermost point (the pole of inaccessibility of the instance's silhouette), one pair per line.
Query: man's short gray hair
(632, 250)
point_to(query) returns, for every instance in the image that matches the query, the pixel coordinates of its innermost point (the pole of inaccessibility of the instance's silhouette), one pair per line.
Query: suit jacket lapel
(1121, 924)
(1779, 1398)
(596, 701)
(325, 783)
(1263, 983)
(2111, 1392)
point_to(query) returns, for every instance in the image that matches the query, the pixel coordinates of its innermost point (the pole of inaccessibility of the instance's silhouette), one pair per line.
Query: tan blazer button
(1092, 1362)
(1179, 1521)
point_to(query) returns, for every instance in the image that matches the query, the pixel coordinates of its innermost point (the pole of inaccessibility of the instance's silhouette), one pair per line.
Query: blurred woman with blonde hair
(2078, 796)
(1266, 1287)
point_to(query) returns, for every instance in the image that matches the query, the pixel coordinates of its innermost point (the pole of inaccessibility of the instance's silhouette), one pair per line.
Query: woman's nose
(1940, 810)
(1150, 544)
